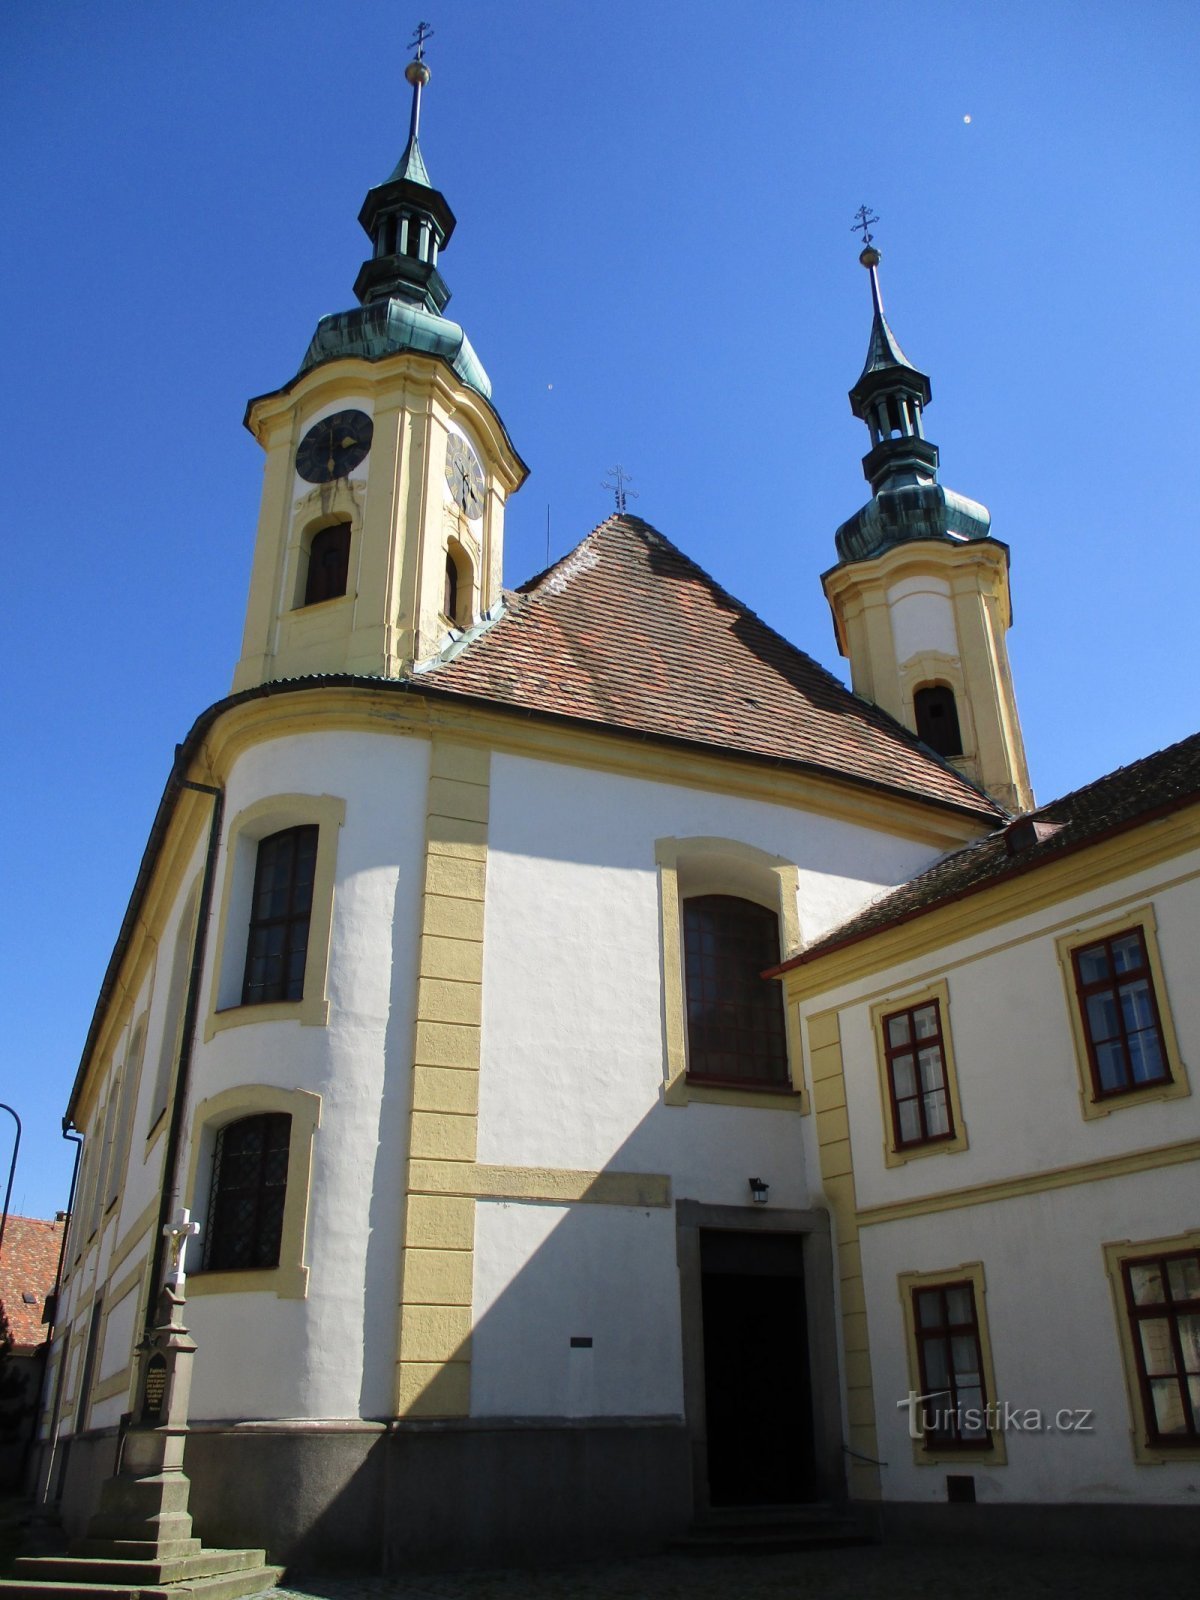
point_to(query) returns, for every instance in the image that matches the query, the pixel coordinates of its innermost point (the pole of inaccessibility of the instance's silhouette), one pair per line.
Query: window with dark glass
(1121, 1023)
(950, 1356)
(281, 905)
(735, 1026)
(450, 596)
(1162, 1294)
(916, 1066)
(937, 719)
(249, 1186)
(328, 564)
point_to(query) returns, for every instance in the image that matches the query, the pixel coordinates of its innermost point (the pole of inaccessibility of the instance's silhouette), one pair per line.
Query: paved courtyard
(875, 1573)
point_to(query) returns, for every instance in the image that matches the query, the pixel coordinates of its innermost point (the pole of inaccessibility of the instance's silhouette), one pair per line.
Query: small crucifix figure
(179, 1231)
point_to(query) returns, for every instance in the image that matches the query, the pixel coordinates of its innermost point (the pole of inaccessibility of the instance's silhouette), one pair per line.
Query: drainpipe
(183, 1067)
(46, 1473)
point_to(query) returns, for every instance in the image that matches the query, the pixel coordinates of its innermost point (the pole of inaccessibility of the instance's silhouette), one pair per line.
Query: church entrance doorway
(757, 1372)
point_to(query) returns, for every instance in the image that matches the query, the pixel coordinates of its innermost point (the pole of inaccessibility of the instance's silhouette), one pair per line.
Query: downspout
(45, 1475)
(168, 1197)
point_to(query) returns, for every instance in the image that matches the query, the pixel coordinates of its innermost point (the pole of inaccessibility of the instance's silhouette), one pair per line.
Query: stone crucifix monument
(141, 1535)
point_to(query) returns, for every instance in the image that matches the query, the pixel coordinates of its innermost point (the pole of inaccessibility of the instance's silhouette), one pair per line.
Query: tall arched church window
(249, 1187)
(735, 1017)
(277, 946)
(937, 719)
(328, 564)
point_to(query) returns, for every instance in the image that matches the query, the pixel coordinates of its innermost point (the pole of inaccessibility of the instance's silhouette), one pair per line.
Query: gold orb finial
(417, 73)
(869, 256)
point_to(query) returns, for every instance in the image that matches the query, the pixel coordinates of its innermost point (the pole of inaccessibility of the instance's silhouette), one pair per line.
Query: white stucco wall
(922, 617)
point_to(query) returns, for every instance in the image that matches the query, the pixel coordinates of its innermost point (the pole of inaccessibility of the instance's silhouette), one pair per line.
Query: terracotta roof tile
(1158, 784)
(628, 633)
(27, 1271)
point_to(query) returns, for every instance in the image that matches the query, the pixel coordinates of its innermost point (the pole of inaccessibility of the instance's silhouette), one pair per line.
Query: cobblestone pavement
(876, 1573)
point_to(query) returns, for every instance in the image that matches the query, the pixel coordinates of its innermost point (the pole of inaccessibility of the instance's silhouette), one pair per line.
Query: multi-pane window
(249, 1186)
(277, 946)
(1121, 1024)
(735, 1026)
(954, 1397)
(1162, 1294)
(328, 564)
(916, 1067)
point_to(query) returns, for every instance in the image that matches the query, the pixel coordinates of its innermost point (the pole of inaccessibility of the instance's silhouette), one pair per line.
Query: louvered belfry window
(249, 1186)
(735, 1025)
(277, 945)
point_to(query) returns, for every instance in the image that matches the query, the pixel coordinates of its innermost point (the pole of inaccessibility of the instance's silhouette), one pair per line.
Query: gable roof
(628, 633)
(1129, 797)
(27, 1274)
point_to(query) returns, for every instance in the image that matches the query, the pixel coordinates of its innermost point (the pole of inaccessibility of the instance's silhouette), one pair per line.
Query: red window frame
(912, 1046)
(1125, 1047)
(946, 1331)
(1168, 1359)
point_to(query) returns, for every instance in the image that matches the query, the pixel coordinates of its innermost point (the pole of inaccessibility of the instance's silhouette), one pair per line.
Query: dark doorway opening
(757, 1385)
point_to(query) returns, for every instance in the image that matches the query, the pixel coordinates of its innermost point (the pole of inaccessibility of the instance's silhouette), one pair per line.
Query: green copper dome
(385, 327)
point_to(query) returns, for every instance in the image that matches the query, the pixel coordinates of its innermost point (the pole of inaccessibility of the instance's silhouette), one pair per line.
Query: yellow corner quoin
(433, 1375)
(837, 1173)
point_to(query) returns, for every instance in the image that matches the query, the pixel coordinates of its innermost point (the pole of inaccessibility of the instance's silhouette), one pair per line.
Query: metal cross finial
(620, 487)
(417, 42)
(179, 1231)
(865, 218)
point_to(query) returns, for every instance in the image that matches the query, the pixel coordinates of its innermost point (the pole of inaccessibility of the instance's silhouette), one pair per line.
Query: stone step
(106, 1569)
(767, 1535)
(135, 1549)
(221, 1586)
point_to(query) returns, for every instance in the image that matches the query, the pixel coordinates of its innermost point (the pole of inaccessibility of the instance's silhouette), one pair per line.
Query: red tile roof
(628, 633)
(28, 1266)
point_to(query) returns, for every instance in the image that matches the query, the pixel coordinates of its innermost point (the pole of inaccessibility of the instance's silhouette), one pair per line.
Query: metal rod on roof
(12, 1169)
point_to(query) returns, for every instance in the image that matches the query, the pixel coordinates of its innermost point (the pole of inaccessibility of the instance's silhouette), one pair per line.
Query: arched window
(735, 1020)
(249, 1187)
(328, 564)
(279, 915)
(937, 719)
(450, 596)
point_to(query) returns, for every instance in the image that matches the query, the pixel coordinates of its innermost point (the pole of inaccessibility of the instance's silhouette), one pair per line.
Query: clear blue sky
(655, 263)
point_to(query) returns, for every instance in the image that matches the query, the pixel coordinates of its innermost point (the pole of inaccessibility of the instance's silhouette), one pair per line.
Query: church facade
(533, 1215)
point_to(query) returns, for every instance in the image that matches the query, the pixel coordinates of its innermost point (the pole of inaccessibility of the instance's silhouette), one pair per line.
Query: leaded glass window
(277, 945)
(735, 1024)
(249, 1186)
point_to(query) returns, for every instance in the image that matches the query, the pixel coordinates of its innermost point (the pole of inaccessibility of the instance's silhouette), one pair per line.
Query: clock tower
(920, 594)
(381, 531)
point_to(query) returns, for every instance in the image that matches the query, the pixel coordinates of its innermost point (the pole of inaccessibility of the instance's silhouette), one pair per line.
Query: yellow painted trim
(433, 1348)
(1097, 866)
(1151, 1159)
(118, 1383)
(255, 822)
(289, 1280)
(903, 1000)
(556, 1185)
(837, 1177)
(1142, 917)
(1115, 1255)
(134, 1235)
(706, 865)
(971, 1271)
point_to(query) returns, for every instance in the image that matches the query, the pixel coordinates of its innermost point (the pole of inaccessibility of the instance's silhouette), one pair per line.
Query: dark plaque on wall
(156, 1388)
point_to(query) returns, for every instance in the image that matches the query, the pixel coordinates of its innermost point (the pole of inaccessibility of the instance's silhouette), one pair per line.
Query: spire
(902, 465)
(406, 218)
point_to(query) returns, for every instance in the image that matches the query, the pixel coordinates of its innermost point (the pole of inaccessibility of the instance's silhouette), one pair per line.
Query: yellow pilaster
(433, 1366)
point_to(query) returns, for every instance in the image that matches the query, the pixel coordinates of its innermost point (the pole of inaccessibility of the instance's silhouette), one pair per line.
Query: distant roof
(629, 633)
(28, 1268)
(1133, 795)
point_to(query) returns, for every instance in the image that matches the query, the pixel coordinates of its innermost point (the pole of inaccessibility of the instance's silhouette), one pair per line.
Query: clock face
(333, 447)
(464, 474)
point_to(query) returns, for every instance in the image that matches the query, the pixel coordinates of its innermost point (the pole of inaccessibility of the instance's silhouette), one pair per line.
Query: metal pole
(12, 1170)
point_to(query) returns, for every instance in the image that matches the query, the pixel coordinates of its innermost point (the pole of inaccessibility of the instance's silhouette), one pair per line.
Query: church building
(617, 1086)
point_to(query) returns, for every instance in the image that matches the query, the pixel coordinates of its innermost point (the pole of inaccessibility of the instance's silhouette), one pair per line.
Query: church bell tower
(920, 592)
(381, 530)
